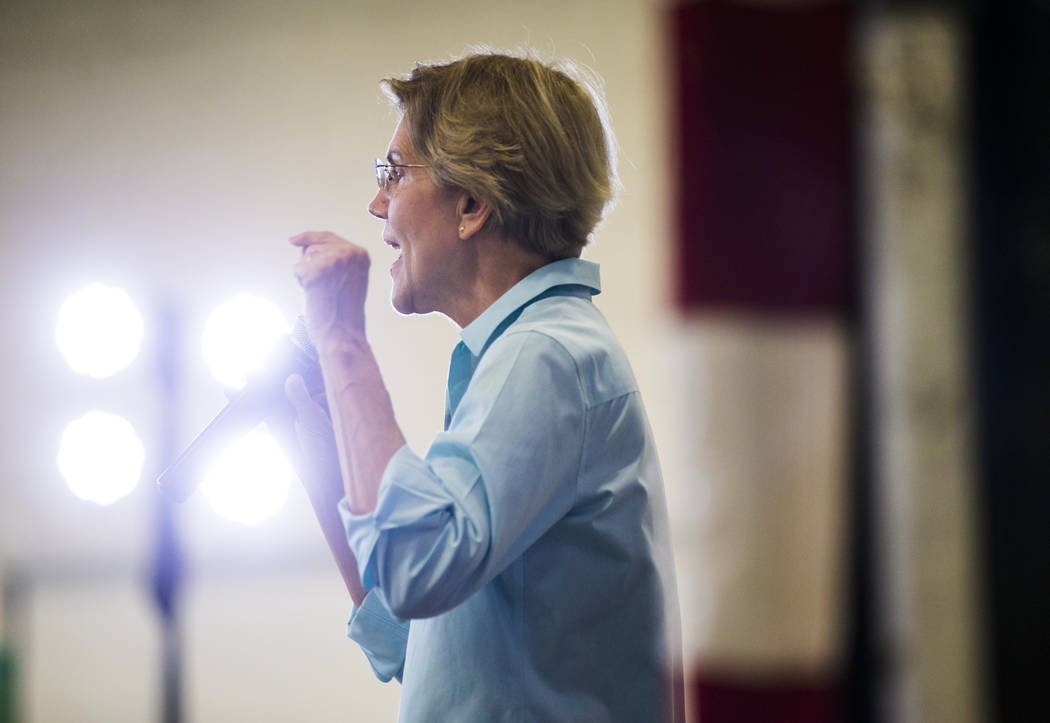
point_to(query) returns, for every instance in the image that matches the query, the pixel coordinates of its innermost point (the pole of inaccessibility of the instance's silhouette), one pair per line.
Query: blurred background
(829, 264)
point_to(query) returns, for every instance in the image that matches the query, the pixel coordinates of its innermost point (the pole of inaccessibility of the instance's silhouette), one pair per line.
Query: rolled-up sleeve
(381, 635)
(502, 474)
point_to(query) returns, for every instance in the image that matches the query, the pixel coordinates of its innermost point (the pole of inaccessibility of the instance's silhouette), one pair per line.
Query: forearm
(324, 489)
(335, 535)
(366, 432)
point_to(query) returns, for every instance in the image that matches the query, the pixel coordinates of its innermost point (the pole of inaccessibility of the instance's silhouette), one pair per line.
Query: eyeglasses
(387, 175)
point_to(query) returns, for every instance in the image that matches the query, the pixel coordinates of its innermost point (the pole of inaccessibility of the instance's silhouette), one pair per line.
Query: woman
(520, 569)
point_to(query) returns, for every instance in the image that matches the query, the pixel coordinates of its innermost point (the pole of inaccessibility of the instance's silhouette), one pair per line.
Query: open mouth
(396, 246)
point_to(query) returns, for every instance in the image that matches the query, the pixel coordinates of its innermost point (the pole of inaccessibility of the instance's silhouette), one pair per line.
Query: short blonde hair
(522, 136)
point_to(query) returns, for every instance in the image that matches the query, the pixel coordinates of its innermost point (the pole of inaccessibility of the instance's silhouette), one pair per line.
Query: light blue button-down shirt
(529, 548)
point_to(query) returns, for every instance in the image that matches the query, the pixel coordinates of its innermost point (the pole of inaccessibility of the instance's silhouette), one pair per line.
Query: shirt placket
(460, 370)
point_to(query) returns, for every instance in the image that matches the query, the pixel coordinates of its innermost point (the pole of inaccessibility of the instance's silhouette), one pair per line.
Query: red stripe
(763, 179)
(757, 700)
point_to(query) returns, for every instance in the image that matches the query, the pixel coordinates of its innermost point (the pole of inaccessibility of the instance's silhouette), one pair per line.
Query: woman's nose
(378, 205)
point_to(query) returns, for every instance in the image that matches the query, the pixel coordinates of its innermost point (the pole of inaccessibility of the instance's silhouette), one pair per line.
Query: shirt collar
(564, 272)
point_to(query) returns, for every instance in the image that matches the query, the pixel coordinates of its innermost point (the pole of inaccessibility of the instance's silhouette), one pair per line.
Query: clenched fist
(334, 275)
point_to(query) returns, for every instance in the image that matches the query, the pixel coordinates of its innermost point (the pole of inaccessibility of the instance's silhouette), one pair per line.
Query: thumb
(296, 392)
(311, 415)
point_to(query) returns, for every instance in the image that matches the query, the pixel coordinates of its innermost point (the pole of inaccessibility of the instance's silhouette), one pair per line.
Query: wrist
(342, 342)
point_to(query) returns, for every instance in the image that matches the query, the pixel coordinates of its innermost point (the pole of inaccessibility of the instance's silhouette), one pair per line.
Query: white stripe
(757, 482)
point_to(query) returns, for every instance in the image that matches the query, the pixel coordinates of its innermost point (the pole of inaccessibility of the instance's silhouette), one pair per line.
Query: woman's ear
(473, 213)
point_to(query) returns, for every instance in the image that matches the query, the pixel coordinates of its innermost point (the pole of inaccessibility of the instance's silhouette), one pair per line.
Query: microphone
(261, 396)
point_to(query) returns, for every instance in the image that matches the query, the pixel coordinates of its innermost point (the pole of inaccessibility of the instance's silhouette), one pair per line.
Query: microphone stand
(167, 570)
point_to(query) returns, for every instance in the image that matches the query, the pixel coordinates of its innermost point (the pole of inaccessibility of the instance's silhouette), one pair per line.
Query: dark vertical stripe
(1011, 137)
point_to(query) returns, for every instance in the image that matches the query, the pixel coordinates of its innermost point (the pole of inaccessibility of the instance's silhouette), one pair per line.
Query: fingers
(315, 246)
(311, 415)
(312, 238)
(312, 244)
(318, 456)
(333, 273)
(323, 252)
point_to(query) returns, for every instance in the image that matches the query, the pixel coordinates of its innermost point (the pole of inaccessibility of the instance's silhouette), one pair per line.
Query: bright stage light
(249, 483)
(238, 336)
(99, 330)
(100, 457)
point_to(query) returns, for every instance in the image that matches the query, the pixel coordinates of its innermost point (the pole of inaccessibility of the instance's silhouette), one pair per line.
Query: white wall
(172, 147)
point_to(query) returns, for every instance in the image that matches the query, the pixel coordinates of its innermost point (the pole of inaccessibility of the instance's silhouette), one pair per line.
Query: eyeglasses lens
(381, 174)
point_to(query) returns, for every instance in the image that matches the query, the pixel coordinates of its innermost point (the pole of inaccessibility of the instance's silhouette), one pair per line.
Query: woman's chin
(401, 301)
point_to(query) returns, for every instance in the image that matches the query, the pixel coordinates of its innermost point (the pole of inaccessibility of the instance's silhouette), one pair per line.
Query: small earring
(461, 229)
